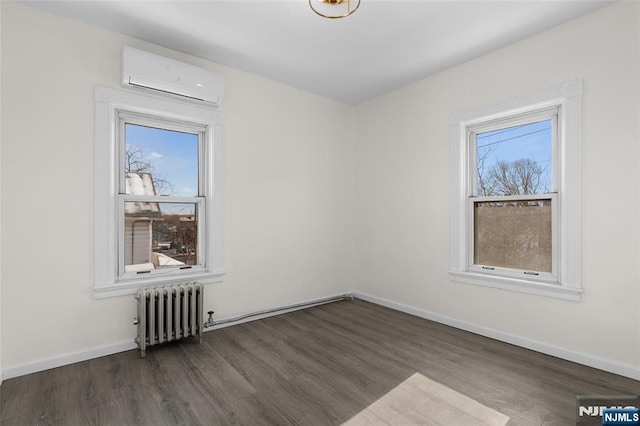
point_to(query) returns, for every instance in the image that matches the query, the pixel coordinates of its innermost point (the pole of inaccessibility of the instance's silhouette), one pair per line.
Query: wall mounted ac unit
(150, 71)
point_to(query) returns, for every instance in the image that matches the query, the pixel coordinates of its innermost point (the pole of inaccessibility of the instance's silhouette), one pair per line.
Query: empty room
(320, 212)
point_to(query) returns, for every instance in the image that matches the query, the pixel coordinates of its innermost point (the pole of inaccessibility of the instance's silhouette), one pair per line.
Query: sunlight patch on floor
(421, 401)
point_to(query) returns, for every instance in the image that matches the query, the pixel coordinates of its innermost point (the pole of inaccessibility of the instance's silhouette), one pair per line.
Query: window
(158, 192)
(515, 194)
(512, 196)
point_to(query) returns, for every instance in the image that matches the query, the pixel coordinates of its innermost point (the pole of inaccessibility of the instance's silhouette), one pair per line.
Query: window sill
(123, 288)
(518, 285)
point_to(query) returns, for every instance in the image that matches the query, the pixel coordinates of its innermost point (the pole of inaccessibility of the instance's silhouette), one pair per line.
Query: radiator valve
(210, 322)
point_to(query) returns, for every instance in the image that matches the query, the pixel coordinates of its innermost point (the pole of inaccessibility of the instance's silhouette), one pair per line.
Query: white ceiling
(385, 44)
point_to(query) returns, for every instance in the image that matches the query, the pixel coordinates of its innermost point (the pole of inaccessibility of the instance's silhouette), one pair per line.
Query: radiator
(169, 313)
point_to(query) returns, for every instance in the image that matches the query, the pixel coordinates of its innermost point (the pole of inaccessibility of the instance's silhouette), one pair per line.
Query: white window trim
(568, 97)
(108, 102)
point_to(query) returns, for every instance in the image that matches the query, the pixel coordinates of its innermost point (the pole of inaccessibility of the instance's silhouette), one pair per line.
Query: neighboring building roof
(160, 260)
(140, 184)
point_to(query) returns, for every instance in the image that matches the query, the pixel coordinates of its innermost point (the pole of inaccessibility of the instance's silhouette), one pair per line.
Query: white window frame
(124, 118)
(473, 196)
(110, 107)
(565, 280)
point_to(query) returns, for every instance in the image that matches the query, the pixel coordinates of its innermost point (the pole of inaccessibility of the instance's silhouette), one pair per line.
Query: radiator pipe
(211, 323)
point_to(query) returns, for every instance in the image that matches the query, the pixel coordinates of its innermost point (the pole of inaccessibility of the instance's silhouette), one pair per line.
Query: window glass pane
(515, 160)
(513, 234)
(160, 162)
(160, 235)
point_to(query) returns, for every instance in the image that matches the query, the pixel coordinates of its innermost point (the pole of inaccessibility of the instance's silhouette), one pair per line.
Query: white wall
(402, 208)
(288, 185)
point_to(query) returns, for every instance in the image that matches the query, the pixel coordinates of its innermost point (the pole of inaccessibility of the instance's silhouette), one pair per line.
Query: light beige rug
(421, 401)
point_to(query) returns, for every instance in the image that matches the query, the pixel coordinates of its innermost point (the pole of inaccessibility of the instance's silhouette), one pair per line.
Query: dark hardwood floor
(319, 366)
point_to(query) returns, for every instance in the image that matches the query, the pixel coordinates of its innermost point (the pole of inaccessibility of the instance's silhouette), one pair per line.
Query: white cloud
(156, 155)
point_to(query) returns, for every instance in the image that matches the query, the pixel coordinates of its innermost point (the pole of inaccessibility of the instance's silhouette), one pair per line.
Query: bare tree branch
(134, 162)
(483, 185)
(519, 177)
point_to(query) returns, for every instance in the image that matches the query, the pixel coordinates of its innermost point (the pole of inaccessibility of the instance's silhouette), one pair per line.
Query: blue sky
(531, 141)
(172, 155)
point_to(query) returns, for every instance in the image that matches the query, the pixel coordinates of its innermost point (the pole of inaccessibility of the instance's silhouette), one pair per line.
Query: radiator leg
(141, 346)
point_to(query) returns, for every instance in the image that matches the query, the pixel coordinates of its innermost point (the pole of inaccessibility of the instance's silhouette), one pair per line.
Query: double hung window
(160, 201)
(515, 194)
(512, 197)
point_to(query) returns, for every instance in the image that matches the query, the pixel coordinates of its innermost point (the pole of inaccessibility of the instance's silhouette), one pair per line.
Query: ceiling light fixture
(334, 9)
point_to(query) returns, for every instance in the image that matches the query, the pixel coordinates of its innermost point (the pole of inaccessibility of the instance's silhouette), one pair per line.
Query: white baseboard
(612, 366)
(66, 359)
